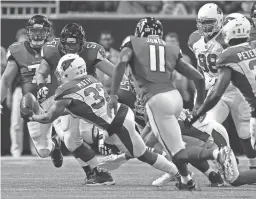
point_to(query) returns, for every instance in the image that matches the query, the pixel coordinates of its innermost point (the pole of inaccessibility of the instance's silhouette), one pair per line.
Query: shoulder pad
(49, 47)
(64, 90)
(15, 47)
(193, 38)
(126, 41)
(227, 57)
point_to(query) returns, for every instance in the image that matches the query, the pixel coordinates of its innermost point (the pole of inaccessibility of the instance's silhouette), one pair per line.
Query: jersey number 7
(157, 58)
(34, 68)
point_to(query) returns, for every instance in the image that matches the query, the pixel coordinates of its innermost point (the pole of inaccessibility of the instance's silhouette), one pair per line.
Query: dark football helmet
(149, 26)
(72, 38)
(253, 14)
(38, 30)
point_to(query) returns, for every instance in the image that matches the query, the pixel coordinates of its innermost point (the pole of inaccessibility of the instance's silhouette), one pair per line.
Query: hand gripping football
(28, 105)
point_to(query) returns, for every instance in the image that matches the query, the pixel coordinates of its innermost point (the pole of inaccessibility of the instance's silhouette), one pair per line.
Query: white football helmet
(70, 66)
(209, 19)
(235, 29)
(232, 16)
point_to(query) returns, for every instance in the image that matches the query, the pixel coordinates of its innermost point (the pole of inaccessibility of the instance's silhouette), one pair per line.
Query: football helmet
(38, 30)
(70, 66)
(253, 14)
(72, 38)
(149, 26)
(232, 16)
(236, 29)
(209, 19)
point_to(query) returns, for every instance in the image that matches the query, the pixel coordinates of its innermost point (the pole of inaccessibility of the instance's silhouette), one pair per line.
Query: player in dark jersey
(236, 65)
(152, 63)
(23, 61)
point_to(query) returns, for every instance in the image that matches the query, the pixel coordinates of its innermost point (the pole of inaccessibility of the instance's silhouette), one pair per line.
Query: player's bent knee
(44, 153)
(181, 156)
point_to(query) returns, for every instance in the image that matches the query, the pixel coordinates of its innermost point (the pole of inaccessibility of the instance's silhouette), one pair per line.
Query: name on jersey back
(249, 54)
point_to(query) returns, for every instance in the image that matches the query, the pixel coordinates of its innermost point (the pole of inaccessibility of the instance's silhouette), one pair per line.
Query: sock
(159, 162)
(85, 156)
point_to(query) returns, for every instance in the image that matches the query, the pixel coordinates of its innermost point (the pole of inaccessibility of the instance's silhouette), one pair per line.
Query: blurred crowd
(154, 7)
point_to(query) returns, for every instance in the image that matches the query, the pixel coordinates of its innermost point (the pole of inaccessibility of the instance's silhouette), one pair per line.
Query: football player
(152, 63)
(73, 130)
(207, 44)
(253, 19)
(237, 65)
(23, 59)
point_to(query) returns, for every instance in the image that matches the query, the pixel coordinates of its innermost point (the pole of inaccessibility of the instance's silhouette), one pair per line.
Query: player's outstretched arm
(107, 68)
(214, 96)
(57, 109)
(123, 61)
(191, 73)
(8, 78)
(42, 73)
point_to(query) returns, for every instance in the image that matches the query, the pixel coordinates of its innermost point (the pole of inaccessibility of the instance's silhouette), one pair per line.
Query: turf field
(32, 177)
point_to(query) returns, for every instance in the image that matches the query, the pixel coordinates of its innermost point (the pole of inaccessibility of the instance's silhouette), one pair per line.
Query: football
(29, 105)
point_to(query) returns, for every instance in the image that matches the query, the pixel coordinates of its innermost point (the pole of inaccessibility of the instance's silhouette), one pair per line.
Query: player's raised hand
(112, 104)
(42, 94)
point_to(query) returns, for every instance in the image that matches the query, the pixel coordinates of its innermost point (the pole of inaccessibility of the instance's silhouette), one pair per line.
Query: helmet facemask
(37, 35)
(208, 26)
(71, 45)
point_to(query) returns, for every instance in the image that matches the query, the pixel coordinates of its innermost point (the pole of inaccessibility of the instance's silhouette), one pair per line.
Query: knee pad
(71, 142)
(44, 153)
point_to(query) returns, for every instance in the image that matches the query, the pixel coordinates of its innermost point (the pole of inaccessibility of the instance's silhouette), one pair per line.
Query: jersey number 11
(157, 59)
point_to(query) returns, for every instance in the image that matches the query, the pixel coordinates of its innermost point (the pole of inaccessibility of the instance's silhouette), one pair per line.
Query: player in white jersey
(207, 44)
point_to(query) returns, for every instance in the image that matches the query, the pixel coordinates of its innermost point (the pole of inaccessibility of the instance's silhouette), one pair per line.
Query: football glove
(42, 94)
(190, 119)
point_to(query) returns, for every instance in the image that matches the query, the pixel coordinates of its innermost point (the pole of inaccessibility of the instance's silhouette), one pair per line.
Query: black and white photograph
(128, 99)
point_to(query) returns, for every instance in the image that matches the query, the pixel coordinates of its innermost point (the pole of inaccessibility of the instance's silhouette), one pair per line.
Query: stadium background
(120, 25)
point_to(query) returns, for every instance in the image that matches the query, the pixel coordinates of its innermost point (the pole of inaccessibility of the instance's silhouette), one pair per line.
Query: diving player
(73, 130)
(207, 44)
(152, 63)
(23, 59)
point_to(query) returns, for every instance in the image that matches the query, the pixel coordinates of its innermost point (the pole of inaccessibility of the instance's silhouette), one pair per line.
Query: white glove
(42, 94)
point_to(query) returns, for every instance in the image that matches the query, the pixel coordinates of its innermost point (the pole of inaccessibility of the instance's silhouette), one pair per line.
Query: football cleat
(113, 162)
(167, 178)
(190, 186)
(99, 177)
(56, 156)
(215, 179)
(164, 179)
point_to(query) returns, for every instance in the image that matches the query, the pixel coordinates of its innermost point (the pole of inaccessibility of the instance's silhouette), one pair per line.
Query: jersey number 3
(157, 59)
(99, 100)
